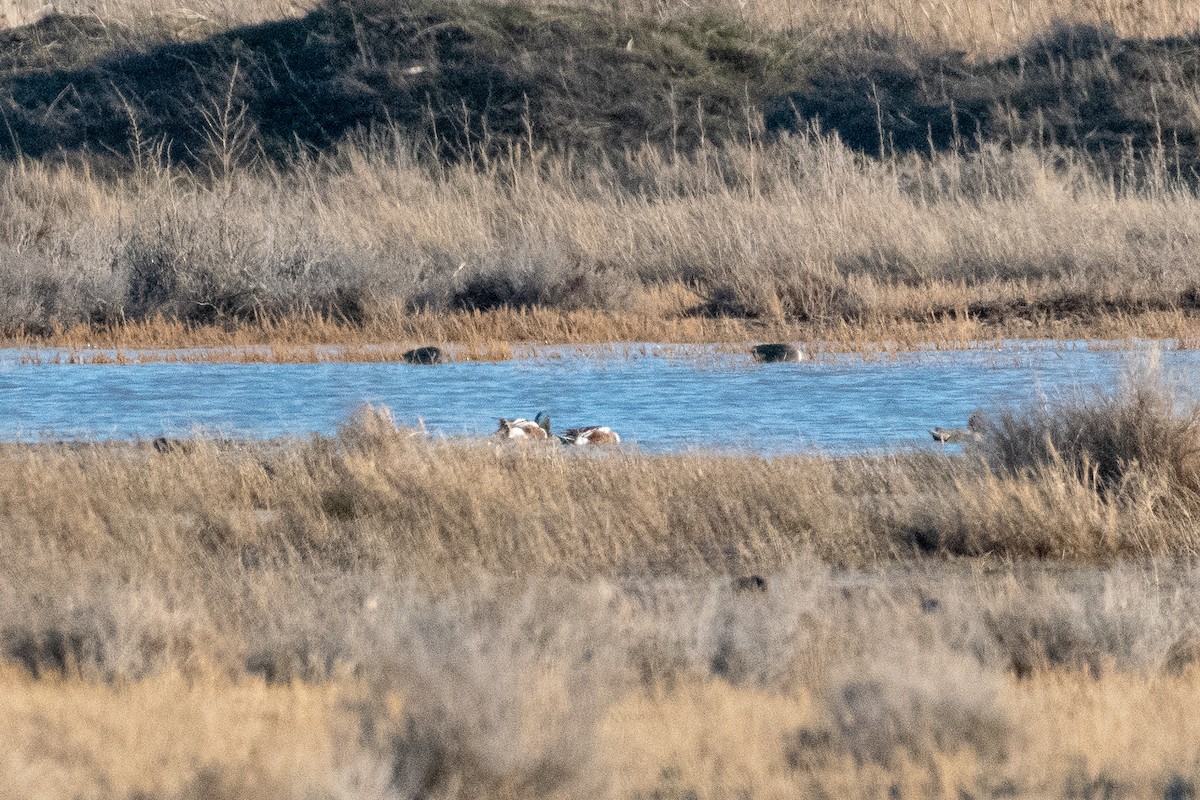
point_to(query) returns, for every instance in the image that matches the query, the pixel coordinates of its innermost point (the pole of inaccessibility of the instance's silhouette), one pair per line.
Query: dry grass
(515, 333)
(1115, 443)
(800, 241)
(583, 215)
(1060, 216)
(635, 172)
(1121, 485)
(353, 683)
(381, 616)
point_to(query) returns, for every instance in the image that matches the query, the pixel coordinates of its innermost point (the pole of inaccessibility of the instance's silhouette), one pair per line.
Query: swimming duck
(520, 428)
(594, 435)
(776, 352)
(424, 355)
(972, 433)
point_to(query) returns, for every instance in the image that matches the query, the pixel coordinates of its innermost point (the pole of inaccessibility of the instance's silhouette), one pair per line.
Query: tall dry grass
(378, 615)
(1119, 483)
(1117, 443)
(801, 237)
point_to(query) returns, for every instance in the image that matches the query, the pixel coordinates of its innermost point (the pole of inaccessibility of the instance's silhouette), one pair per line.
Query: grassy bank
(514, 334)
(800, 239)
(620, 176)
(377, 615)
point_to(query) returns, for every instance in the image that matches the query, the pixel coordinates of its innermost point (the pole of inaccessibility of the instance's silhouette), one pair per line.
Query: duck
(972, 433)
(591, 435)
(521, 428)
(424, 355)
(776, 352)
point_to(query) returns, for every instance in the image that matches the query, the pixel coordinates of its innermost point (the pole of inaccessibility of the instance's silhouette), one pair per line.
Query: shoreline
(521, 334)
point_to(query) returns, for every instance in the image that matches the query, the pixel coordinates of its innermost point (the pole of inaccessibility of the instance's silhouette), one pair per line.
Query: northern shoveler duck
(424, 355)
(972, 433)
(519, 428)
(776, 352)
(594, 435)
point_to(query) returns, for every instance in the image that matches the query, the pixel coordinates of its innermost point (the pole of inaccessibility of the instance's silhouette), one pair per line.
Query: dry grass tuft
(1126, 445)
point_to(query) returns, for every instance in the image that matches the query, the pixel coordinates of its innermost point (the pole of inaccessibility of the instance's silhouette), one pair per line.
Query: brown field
(379, 615)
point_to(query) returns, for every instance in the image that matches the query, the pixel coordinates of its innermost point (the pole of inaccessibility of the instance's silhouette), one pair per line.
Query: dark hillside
(460, 76)
(1077, 87)
(478, 77)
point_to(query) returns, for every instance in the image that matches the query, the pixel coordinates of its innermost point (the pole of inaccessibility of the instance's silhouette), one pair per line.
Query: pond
(659, 398)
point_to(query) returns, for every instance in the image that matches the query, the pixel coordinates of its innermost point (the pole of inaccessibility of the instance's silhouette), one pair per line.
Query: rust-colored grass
(500, 335)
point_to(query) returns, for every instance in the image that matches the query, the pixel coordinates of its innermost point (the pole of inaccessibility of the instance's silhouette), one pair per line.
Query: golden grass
(167, 736)
(382, 616)
(351, 682)
(796, 241)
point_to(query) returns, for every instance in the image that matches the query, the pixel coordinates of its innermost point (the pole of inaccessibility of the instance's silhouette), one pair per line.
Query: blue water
(661, 400)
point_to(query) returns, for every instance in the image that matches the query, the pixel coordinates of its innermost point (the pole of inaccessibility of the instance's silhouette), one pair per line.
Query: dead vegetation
(381, 615)
(378, 615)
(1095, 478)
(812, 183)
(797, 241)
(215, 675)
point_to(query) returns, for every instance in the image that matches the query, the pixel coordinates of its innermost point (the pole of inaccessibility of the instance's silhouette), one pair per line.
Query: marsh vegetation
(474, 172)
(381, 615)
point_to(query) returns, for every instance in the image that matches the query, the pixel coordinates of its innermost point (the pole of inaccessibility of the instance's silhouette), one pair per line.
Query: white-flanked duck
(593, 435)
(520, 428)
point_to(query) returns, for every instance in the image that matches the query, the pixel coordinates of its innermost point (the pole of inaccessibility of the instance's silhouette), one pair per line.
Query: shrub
(1114, 442)
(546, 276)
